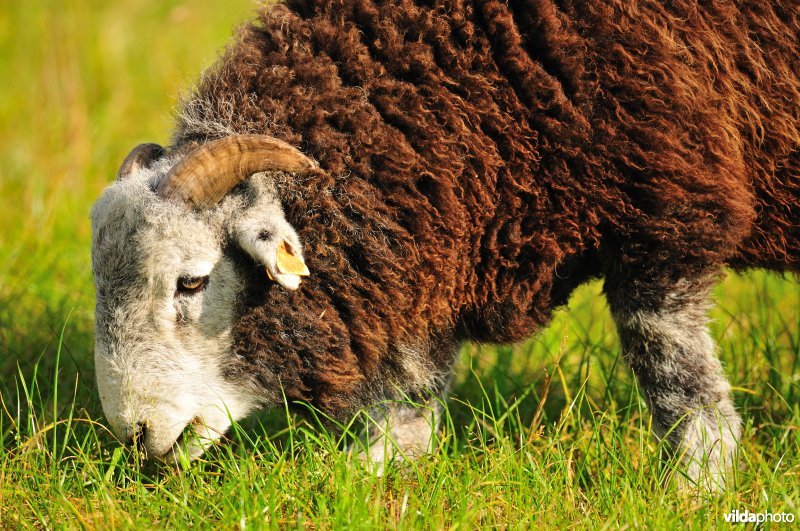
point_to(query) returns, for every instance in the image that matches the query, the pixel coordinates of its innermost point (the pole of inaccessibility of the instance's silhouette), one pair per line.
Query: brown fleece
(481, 159)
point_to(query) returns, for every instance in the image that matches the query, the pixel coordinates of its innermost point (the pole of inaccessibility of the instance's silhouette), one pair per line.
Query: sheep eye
(192, 285)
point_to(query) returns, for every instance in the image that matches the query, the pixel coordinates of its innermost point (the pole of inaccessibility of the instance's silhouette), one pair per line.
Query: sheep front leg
(666, 342)
(401, 431)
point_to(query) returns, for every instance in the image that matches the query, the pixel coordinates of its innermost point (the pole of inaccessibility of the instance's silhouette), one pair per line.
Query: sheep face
(168, 294)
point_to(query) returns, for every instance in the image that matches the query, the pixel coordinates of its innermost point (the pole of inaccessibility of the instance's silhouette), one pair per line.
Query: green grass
(552, 431)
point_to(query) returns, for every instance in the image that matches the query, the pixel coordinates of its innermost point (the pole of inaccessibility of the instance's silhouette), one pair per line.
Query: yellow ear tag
(288, 263)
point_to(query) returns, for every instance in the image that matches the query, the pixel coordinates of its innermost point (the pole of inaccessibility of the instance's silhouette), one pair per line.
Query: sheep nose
(138, 436)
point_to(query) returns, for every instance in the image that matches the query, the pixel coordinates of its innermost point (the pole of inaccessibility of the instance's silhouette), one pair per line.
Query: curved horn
(140, 157)
(209, 172)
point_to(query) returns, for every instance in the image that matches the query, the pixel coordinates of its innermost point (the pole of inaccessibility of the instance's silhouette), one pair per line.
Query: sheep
(357, 187)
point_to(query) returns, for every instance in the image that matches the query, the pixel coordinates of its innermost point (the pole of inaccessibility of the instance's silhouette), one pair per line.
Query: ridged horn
(209, 172)
(140, 157)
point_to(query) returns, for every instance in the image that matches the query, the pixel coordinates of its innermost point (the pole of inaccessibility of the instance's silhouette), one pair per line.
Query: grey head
(169, 288)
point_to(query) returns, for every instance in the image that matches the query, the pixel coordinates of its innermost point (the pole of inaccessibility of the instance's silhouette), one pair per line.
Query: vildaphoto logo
(745, 517)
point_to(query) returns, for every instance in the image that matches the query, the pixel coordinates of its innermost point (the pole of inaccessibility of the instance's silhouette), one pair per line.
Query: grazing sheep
(460, 167)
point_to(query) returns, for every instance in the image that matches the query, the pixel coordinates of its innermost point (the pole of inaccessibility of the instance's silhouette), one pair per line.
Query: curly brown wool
(481, 159)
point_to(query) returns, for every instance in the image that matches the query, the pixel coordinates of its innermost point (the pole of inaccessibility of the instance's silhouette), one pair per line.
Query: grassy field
(552, 431)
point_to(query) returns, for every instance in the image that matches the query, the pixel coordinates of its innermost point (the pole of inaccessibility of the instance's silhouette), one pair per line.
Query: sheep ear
(272, 242)
(288, 267)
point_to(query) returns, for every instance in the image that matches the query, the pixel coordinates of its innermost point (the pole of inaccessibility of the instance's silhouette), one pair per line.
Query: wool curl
(479, 160)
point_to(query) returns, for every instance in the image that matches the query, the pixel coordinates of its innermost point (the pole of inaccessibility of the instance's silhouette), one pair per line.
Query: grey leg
(401, 431)
(666, 342)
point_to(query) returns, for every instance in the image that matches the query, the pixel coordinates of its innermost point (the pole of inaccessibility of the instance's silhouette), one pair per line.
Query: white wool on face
(161, 354)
